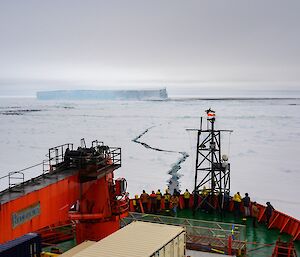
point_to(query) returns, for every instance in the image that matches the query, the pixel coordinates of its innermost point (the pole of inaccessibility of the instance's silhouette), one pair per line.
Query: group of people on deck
(250, 208)
(153, 203)
(156, 202)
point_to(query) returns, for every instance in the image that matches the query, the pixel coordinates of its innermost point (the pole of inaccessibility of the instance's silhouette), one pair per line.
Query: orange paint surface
(55, 201)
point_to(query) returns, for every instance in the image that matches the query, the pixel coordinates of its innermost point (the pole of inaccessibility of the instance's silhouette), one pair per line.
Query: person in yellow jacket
(186, 197)
(237, 199)
(205, 201)
(136, 203)
(174, 203)
(144, 199)
(158, 199)
(204, 192)
(167, 198)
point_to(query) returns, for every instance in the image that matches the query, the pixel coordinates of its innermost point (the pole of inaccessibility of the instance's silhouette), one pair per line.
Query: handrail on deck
(197, 235)
(56, 156)
(240, 234)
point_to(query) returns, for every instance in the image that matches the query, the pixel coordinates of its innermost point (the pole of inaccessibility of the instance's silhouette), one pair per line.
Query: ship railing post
(9, 180)
(229, 245)
(56, 156)
(43, 168)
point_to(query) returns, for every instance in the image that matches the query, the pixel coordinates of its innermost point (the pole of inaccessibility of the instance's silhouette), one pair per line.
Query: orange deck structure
(77, 188)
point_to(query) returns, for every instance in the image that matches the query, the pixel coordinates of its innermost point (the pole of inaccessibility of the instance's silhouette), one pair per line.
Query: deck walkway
(260, 240)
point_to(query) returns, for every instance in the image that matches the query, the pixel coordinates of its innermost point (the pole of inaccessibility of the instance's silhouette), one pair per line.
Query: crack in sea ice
(173, 182)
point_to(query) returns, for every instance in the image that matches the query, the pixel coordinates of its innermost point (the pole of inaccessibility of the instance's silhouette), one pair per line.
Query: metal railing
(56, 154)
(96, 143)
(15, 178)
(210, 228)
(115, 155)
(98, 154)
(198, 231)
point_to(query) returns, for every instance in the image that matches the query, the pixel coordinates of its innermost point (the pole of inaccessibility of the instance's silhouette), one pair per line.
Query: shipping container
(140, 239)
(77, 249)
(28, 245)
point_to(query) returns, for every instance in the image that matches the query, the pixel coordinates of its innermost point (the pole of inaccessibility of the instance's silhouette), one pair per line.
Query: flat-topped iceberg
(148, 94)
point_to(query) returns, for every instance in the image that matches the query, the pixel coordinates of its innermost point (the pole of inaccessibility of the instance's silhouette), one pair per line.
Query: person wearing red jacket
(153, 202)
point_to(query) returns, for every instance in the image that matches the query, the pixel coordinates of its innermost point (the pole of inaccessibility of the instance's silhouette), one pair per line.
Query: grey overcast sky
(157, 40)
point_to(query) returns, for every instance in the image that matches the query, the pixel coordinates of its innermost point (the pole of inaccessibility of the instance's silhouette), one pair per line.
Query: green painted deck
(63, 246)
(260, 240)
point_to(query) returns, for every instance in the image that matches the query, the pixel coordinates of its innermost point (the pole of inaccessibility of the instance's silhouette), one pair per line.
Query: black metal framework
(64, 156)
(56, 154)
(211, 167)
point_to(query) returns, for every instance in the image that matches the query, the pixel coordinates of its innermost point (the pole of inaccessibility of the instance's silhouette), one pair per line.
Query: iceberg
(153, 94)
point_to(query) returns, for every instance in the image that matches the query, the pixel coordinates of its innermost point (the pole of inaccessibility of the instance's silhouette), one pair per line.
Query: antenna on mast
(211, 166)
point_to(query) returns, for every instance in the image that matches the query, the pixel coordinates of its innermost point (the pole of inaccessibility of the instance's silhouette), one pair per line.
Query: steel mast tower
(211, 166)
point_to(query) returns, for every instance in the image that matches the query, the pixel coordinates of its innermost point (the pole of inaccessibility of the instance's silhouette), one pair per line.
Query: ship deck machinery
(77, 187)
